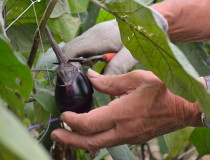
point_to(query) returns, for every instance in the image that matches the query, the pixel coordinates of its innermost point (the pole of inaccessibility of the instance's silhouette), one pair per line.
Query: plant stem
(40, 30)
(60, 55)
(43, 70)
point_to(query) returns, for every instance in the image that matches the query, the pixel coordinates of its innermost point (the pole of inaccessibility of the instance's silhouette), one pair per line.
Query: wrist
(188, 21)
(171, 14)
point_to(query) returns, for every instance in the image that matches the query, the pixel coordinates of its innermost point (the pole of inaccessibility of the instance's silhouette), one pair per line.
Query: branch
(43, 70)
(40, 30)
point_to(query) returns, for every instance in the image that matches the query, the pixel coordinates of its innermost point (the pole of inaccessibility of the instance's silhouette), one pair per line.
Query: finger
(97, 120)
(115, 85)
(121, 63)
(90, 142)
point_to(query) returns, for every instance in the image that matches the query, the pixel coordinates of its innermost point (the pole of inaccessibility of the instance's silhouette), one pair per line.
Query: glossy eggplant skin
(73, 91)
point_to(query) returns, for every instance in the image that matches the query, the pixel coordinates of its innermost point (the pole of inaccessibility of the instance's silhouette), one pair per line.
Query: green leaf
(89, 18)
(15, 142)
(64, 27)
(21, 37)
(41, 116)
(151, 46)
(104, 16)
(102, 154)
(29, 111)
(77, 6)
(162, 144)
(201, 138)
(62, 7)
(48, 103)
(177, 141)
(121, 153)
(101, 98)
(15, 8)
(16, 80)
(197, 55)
(21, 33)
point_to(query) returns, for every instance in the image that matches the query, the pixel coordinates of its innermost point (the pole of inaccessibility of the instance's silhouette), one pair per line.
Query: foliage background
(27, 96)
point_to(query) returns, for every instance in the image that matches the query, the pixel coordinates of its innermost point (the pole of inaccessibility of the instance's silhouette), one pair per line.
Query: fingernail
(54, 137)
(92, 74)
(62, 117)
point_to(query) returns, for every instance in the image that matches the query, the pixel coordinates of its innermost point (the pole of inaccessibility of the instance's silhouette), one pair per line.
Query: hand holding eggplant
(145, 109)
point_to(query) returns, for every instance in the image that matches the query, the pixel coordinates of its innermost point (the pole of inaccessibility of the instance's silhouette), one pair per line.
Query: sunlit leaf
(104, 16)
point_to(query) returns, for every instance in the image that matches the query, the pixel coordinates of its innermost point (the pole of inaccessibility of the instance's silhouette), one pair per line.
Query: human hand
(188, 21)
(102, 38)
(145, 109)
(105, 38)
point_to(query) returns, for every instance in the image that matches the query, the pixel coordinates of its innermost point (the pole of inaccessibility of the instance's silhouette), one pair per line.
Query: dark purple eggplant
(73, 91)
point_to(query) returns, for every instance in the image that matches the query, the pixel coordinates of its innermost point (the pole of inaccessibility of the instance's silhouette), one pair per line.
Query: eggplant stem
(40, 31)
(59, 53)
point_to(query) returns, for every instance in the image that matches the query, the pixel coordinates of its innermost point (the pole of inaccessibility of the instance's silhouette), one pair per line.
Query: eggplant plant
(73, 91)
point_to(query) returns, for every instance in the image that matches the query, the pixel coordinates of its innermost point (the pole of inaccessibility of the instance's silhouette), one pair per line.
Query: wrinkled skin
(145, 109)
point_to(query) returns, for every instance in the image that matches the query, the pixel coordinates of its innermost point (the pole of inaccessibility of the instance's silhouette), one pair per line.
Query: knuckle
(87, 126)
(108, 81)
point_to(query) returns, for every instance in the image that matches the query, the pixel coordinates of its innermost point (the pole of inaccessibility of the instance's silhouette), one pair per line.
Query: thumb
(114, 85)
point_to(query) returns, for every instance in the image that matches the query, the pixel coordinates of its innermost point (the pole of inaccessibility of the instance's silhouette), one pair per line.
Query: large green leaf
(15, 142)
(151, 46)
(15, 8)
(177, 141)
(16, 80)
(201, 138)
